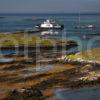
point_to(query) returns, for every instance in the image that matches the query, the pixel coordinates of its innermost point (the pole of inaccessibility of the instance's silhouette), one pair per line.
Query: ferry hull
(48, 28)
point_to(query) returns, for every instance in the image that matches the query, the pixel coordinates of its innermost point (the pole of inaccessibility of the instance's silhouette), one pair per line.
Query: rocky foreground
(37, 79)
(27, 81)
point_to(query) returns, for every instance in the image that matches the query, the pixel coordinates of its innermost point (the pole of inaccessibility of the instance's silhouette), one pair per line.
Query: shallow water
(46, 68)
(6, 60)
(7, 52)
(80, 94)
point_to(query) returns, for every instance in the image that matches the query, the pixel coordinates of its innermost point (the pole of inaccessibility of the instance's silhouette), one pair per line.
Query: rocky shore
(39, 82)
(42, 85)
(25, 77)
(37, 76)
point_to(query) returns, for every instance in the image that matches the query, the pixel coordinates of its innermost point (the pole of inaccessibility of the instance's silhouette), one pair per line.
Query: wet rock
(14, 95)
(15, 67)
(33, 93)
(25, 94)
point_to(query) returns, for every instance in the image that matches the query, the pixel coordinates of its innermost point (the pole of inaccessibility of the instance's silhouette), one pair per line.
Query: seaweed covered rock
(25, 94)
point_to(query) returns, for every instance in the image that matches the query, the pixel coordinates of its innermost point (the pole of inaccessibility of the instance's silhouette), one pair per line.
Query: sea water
(19, 22)
(91, 93)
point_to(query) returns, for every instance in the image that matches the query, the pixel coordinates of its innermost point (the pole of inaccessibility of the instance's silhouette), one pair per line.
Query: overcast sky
(49, 6)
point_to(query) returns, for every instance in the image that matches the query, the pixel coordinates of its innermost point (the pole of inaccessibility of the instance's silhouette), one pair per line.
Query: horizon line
(49, 12)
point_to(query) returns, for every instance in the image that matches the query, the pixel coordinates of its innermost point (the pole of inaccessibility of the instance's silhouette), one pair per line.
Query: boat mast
(79, 19)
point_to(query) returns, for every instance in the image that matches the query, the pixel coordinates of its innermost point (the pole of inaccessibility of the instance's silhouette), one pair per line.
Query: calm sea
(18, 22)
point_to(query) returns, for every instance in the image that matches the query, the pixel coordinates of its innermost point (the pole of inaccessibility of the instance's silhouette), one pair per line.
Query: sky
(49, 6)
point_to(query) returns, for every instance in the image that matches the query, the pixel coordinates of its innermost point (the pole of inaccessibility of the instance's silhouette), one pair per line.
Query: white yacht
(49, 24)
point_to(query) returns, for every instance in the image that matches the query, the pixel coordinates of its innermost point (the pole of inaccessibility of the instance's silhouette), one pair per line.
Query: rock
(14, 67)
(25, 94)
(33, 93)
(14, 95)
(86, 68)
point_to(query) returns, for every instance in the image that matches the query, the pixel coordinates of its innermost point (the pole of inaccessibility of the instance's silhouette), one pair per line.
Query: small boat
(89, 26)
(85, 27)
(49, 24)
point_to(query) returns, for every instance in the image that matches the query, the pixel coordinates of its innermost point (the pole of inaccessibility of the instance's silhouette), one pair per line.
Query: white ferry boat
(49, 24)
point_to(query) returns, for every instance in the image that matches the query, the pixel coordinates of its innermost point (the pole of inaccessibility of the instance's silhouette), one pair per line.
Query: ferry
(49, 24)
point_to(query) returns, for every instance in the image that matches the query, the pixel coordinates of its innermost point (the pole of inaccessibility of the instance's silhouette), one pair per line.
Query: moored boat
(85, 27)
(49, 24)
